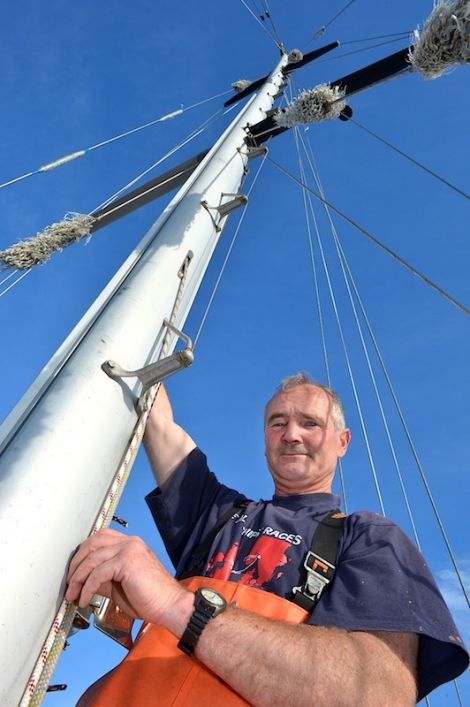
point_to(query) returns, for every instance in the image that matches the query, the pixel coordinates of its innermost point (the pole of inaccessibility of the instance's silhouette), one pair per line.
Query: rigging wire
(190, 137)
(259, 10)
(347, 358)
(314, 272)
(227, 256)
(193, 134)
(266, 14)
(412, 447)
(80, 153)
(374, 240)
(344, 264)
(459, 696)
(347, 275)
(269, 15)
(378, 36)
(321, 31)
(162, 119)
(10, 287)
(263, 26)
(360, 51)
(318, 303)
(5, 279)
(408, 157)
(410, 442)
(402, 420)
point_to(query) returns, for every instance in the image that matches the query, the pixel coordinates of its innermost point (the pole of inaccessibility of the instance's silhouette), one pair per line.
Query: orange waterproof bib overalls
(157, 672)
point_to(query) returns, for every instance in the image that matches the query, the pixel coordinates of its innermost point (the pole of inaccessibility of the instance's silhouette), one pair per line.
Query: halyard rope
(47, 661)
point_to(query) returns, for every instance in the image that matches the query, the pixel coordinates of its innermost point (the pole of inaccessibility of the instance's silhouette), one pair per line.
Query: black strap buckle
(320, 572)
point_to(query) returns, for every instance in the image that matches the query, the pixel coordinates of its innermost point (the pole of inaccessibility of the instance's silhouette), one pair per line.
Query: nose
(291, 433)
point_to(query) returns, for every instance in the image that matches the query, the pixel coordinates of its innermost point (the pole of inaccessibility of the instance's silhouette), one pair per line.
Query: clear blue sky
(74, 74)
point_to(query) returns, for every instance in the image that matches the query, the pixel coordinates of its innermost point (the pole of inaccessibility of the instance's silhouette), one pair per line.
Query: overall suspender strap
(320, 561)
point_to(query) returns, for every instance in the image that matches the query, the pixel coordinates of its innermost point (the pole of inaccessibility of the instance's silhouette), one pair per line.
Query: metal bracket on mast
(226, 208)
(252, 152)
(108, 619)
(114, 623)
(158, 371)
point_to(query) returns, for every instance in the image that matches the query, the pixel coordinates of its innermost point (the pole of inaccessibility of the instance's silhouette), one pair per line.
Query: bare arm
(269, 663)
(165, 442)
(273, 664)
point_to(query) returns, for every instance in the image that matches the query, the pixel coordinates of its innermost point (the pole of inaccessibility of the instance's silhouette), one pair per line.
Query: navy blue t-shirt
(382, 582)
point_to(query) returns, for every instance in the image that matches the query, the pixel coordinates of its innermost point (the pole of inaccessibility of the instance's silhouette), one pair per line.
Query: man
(380, 636)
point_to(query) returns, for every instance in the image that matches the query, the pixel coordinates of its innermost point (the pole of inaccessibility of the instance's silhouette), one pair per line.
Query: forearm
(165, 442)
(272, 663)
(269, 663)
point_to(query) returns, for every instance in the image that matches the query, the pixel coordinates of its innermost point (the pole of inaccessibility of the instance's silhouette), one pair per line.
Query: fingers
(124, 569)
(97, 550)
(93, 543)
(99, 580)
(93, 569)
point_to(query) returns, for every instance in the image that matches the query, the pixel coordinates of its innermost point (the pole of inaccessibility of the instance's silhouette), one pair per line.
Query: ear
(344, 437)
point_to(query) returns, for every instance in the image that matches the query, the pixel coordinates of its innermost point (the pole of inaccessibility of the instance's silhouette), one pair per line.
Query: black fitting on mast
(364, 78)
(291, 66)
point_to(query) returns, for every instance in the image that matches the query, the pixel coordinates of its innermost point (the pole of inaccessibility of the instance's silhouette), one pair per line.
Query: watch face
(213, 597)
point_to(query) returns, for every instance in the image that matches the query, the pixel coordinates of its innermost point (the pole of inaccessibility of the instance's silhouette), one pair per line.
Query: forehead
(308, 399)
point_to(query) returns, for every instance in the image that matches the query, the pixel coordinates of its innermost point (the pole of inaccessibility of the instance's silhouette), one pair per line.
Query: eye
(277, 423)
(311, 423)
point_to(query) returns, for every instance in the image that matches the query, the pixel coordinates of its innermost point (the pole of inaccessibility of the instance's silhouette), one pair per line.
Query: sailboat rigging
(263, 260)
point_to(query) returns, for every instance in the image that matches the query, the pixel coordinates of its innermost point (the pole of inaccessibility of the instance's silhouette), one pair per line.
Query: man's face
(302, 444)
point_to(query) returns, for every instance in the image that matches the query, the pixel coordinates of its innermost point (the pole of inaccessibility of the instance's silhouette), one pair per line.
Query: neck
(285, 490)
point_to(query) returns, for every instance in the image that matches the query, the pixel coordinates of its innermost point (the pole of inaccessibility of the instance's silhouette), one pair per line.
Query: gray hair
(337, 410)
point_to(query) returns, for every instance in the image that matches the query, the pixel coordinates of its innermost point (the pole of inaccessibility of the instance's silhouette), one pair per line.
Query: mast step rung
(158, 371)
(253, 151)
(228, 206)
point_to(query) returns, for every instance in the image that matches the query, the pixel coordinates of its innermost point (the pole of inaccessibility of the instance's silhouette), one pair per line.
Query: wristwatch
(208, 604)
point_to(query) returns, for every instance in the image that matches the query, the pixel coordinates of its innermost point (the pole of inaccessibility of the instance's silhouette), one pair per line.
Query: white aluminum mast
(62, 444)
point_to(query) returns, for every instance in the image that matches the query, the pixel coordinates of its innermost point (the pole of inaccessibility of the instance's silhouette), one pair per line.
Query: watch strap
(202, 614)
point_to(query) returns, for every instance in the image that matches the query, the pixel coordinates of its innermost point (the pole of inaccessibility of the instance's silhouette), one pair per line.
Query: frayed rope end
(321, 103)
(241, 85)
(38, 249)
(444, 41)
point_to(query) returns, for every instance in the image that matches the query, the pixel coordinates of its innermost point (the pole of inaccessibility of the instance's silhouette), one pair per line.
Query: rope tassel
(38, 249)
(321, 103)
(241, 85)
(444, 40)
